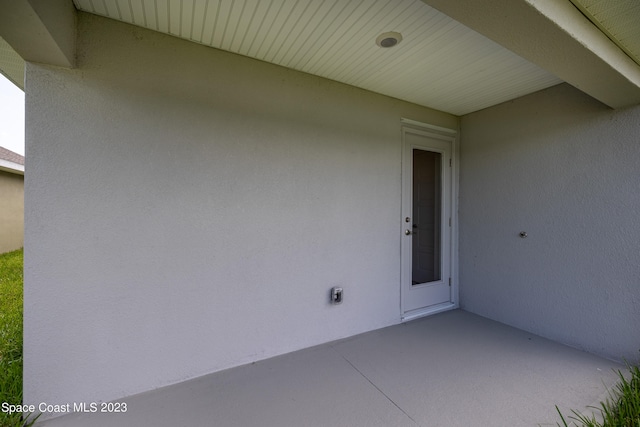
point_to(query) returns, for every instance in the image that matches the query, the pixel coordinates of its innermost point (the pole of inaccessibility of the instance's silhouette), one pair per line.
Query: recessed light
(389, 39)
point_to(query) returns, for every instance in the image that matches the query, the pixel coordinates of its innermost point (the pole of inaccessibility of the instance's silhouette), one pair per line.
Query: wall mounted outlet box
(336, 295)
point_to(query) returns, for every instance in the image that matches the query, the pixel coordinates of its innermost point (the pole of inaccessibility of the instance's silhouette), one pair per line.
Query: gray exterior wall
(188, 210)
(11, 211)
(565, 169)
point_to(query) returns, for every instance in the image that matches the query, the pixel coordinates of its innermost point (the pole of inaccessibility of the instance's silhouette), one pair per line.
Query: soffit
(11, 64)
(619, 20)
(440, 63)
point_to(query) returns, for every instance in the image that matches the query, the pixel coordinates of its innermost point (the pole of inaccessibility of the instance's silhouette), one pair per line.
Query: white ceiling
(440, 63)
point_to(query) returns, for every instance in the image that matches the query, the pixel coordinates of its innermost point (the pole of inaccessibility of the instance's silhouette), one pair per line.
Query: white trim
(428, 311)
(454, 302)
(428, 126)
(11, 167)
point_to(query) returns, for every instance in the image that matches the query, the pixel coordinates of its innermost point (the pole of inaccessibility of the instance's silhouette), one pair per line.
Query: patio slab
(451, 369)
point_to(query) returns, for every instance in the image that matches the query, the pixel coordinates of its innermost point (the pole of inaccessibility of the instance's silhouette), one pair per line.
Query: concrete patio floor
(451, 369)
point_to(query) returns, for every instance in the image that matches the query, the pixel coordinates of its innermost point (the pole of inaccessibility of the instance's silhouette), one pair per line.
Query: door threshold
(428, 311)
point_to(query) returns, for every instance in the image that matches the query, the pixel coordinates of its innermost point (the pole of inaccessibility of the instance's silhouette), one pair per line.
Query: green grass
(622, 409)
(11, 335)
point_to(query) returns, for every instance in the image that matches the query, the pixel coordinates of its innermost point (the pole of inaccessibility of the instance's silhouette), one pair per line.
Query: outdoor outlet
(336, 295)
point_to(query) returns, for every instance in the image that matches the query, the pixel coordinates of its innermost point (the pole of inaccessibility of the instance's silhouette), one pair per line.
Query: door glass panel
(427, 208)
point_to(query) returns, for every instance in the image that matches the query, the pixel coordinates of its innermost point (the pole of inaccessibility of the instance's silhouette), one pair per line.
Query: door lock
(407, 232)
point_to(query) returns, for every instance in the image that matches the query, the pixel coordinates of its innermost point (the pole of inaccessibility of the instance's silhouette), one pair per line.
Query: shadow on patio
(451, 369)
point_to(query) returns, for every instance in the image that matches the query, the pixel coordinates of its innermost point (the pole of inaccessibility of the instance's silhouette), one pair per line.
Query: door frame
(449, 136)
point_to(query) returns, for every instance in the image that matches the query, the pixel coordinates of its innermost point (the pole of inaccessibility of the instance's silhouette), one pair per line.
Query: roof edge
(11, 167)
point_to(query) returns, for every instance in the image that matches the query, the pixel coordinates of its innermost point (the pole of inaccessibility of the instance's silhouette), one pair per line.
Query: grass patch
(622, 409)
(11, 286)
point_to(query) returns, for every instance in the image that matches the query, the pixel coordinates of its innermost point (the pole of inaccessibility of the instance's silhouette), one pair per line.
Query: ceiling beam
(42, 31)
(556, 36)
(11, 64)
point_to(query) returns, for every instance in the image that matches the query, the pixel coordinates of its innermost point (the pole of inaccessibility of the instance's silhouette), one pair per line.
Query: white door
(426, 223)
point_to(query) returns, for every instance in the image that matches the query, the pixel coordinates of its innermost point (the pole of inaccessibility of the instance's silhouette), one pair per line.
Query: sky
(11, 116)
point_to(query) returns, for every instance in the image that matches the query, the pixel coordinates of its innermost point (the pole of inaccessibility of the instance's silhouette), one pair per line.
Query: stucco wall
(565, 169)
(192, 209)
(11, 211)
